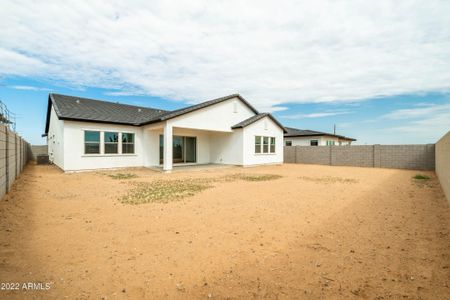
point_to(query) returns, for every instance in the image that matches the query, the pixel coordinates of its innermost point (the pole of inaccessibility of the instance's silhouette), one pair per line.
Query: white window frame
(258, 144)
(102, 143)
(112, 143)
(268, 144)
(274, 145)
(122, 143)
(84, 142)
(261, 145)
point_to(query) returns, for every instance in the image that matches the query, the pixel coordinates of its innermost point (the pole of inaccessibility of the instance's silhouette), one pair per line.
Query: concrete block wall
(14, 155)
(289, 155)
(38, 149)
(313, 155)
(443, 163)
(3, 165)
(415, 157)
(355, 156)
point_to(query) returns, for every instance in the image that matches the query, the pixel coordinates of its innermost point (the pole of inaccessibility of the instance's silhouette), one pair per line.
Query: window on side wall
(330, 143)
(314, 142)
(265, 144)
(111, 142)
(272, 145)
(128, 143)
(288, 143)
(257, 144)
(92, 142)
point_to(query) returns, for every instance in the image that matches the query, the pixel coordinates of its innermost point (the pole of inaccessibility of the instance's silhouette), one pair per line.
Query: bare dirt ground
(318, 232)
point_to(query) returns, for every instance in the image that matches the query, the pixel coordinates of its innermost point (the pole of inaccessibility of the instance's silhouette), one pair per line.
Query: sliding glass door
(178, 149)
(184, 149)
(191, 149)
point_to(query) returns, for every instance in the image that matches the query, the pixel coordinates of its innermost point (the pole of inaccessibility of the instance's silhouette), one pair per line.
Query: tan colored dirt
(373, 233)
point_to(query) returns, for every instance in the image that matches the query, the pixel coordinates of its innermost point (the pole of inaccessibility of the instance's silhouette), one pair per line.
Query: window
(330, 143)
(257, 144)
(128, 143)
(265, 144)
(272, 145)
(92, 142)
(314, 143)
(288, 143)
(111, 142)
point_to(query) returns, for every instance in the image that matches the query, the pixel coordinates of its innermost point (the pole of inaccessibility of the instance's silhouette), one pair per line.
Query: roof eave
(262, 117)
(226, 98)
(99, 121)
(49, 109)
(319, 134)
(304, 135)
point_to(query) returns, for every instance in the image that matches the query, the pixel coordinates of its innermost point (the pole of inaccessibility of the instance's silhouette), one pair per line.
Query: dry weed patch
(121, 176)
(164, 191)
(253, 177)
(329, 179)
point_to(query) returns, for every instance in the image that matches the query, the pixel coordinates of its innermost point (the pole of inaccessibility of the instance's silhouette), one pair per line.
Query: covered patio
(189, 147)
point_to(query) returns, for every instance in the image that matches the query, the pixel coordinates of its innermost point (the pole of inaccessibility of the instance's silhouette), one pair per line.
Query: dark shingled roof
(255, 118)
(83, 109)
(294, 132)
(91, 110)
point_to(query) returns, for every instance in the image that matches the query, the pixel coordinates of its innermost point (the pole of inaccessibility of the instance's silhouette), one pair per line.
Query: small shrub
(164, 191)
(121, 176)
(421, 177)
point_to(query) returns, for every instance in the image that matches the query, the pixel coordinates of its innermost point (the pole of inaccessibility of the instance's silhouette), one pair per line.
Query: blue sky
(380, 71)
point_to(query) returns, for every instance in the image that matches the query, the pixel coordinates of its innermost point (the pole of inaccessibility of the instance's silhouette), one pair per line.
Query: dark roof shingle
(83, 109)
(294, 132)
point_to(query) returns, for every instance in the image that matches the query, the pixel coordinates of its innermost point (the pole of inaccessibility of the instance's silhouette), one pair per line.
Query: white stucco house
(88, 134)
(301, 137)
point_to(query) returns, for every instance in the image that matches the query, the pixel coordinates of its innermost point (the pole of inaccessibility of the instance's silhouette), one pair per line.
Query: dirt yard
(317, 232)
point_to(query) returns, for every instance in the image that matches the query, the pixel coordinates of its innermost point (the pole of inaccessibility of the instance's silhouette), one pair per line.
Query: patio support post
(168, 147)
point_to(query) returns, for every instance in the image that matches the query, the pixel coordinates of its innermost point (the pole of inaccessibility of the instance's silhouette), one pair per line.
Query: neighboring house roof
(255, 118)
(92, 110)
(294, 132)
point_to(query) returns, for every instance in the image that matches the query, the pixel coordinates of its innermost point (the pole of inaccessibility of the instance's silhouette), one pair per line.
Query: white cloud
(28, 88)
(316, 115)
(423, 123)
(123, 93)
(15, 63)
(422, 111)
(271, 52)
(275, 108)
